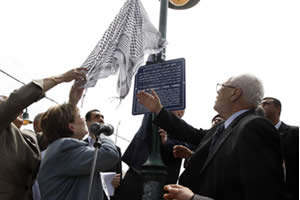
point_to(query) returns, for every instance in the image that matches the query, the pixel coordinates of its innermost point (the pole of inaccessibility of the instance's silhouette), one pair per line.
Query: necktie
(216, 136)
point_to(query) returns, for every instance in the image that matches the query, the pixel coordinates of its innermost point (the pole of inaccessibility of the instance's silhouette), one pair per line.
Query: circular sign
(182, 4)
(179, 2)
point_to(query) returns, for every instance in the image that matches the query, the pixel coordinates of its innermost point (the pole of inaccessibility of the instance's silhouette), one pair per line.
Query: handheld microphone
(97, 128)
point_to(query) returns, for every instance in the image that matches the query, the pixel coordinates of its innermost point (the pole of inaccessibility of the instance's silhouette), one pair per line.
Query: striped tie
(216, 136)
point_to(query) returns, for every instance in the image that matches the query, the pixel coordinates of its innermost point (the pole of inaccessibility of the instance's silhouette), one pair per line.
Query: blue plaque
(167, 79)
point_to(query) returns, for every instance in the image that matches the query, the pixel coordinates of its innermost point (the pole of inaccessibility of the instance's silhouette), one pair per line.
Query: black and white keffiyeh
(122, 48)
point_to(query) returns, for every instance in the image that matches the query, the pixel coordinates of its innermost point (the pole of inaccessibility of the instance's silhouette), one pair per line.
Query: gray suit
(20, 155)
(65, 169)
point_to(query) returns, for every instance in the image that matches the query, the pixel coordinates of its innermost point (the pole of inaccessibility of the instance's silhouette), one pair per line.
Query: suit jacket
(65, 170)
(140, 147)
(173, 164)
(244, 165)
(289, 138)
(20, 155)
(118, 169)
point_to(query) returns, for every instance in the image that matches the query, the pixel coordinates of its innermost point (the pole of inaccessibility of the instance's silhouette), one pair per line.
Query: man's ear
(278, 111)
(236, 94)
(71, 127)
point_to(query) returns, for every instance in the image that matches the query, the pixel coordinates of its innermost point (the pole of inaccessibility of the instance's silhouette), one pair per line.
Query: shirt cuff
(39, 83)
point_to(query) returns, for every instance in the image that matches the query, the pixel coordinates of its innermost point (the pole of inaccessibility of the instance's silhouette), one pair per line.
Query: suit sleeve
(198, 197)
(178, 128)
(258, 152)
(167, 148)
(80, 157)
(17, 101)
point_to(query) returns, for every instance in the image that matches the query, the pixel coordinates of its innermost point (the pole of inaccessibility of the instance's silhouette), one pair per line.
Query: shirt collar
(91, 141)
(277, 126)
(233, 117)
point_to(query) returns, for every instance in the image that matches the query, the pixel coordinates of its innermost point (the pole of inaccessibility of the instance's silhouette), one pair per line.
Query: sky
(217, 38)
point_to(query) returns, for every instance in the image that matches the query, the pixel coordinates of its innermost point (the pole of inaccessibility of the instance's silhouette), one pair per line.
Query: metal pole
(97, 146)
(163, 18)
(163, 25)
(154, 171)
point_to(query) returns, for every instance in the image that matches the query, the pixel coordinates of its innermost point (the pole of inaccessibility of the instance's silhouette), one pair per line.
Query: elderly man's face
(224, 92)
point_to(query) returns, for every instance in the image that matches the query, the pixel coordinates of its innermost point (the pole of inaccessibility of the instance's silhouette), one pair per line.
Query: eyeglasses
(220, 86)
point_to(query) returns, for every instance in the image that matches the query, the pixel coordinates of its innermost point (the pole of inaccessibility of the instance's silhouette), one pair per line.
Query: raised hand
(152, 102)
(180, 151)
(163, 135)
(77, 74)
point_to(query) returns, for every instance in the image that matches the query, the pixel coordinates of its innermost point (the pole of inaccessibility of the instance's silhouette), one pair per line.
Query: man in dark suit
(238, 159)
(96, 116)
(289, 142)
(168, 143)
(138, 151)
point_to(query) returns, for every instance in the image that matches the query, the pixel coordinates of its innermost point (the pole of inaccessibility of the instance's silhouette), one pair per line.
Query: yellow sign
(179, 2)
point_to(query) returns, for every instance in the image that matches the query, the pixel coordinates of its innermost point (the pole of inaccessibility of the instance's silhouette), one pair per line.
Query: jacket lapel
(207, 138)
(218, 144)
(227, 132)
(283, 129)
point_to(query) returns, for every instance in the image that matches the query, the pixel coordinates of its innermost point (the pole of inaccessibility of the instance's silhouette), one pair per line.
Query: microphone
(97, 128)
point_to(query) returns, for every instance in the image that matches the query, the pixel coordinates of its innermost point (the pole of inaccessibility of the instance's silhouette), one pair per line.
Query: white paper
(108, 177)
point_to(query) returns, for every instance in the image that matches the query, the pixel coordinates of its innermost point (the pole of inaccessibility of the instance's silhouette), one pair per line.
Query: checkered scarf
(122, 48)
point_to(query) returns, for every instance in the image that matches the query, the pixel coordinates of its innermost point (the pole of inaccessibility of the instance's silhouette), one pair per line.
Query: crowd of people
(248, 153)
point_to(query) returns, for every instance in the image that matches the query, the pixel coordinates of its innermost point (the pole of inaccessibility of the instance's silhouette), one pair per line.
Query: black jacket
(245, 165)
(289, 139)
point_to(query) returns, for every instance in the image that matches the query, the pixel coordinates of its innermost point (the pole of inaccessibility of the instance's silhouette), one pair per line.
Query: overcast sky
(217, 38)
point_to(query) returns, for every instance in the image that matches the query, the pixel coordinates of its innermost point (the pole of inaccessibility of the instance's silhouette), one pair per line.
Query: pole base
(154, 181)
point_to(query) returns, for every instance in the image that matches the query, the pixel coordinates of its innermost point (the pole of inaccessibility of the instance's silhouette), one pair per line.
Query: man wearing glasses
(239, 159)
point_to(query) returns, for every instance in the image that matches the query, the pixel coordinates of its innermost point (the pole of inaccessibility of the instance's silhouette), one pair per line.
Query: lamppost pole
(154, 171)
(163, 25)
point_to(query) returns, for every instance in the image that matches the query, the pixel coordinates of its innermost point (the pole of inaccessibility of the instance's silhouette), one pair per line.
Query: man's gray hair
(252, 87)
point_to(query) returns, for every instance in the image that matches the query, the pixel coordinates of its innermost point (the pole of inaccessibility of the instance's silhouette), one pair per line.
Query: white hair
(252, 87)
